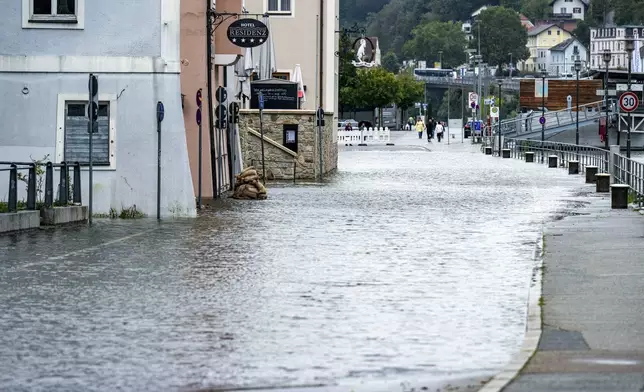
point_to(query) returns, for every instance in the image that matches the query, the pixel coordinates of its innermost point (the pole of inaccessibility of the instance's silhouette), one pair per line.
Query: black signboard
(247, 33)
(278, 94)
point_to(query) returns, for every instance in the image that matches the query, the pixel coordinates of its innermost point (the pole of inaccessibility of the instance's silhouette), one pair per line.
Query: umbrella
(266, 58)
(297, 78)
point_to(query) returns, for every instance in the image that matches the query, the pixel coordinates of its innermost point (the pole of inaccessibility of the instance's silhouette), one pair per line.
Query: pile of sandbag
(248, 186)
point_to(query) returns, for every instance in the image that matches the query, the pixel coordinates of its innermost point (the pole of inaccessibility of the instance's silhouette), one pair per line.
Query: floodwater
(410, 264)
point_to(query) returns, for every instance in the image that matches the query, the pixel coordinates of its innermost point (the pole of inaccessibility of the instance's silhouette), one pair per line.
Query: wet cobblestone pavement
(412, 263)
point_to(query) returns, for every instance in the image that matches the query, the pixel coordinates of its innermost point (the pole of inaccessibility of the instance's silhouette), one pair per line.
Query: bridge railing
(559, 118)
(364, 136)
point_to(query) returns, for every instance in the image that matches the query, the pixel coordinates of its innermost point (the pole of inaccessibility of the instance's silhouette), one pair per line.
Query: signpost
(628, 102)
(92, 128)
(199, 180)
(160, 116)
(260, 100)
(247, 33)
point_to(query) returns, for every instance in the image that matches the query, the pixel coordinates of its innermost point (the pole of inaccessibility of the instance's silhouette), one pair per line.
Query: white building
(569, 9)
(48, 49)
(611, 38)
(561, 57)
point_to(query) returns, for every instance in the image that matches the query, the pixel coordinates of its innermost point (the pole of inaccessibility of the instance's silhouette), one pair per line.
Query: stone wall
(279, 159)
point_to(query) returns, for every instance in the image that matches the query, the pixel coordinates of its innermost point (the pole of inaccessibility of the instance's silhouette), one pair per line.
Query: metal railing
(278, 167)
(559, 118)
(65, 194)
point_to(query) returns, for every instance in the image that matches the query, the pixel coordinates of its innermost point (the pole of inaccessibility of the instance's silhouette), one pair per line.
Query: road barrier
(365, 136)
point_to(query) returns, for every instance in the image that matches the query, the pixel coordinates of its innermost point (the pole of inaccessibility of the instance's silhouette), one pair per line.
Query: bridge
(468, 81)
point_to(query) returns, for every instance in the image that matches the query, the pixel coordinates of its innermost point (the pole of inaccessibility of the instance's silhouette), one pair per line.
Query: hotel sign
(247, 33)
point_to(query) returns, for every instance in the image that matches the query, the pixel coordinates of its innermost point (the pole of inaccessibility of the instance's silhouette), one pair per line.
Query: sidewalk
(592, 302)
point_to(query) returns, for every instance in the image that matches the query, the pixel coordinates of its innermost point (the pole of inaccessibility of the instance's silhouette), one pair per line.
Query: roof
(585, 2)
(563, 45)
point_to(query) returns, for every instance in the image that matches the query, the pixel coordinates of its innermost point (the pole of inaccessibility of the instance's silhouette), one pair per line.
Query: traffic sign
(221, 94)
(542, 120)
(628, 102)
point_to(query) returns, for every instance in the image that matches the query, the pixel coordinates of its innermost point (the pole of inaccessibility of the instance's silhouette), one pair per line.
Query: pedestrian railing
(559, 118)
(277, 170)
(67, 192)
(365, 135)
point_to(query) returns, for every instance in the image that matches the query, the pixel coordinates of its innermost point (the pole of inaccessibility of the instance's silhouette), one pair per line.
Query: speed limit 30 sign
(628, 102)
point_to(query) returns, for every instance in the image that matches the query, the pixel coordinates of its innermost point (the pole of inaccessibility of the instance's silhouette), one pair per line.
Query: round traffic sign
(628, 101)
(542, 120)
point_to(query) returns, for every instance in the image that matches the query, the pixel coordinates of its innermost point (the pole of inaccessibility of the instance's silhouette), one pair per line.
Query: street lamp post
(500, 82)
(629, 46)
(577, 69)
(607, 58)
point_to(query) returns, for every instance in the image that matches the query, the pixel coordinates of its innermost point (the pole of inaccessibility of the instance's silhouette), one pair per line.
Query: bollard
(591, 172)
(77, 183)
(488, 150)
(49, 185)
(13, 189)
(573, 167)
(529, 156)
(603, 183)
(31, 187)
(619, 196)
(552, 160)
(506, 153)
(63, 187)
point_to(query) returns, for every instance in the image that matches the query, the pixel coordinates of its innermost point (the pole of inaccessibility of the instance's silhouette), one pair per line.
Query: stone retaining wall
(279, 159)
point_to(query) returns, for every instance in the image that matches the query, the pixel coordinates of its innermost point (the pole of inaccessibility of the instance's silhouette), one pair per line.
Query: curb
(533, 328)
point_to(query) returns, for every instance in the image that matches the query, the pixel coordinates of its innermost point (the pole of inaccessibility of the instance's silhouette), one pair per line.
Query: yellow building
(540, 40)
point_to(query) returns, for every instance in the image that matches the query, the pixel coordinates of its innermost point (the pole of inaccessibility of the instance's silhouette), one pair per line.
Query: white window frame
(29, 21)
(286, 14)
(60, 126)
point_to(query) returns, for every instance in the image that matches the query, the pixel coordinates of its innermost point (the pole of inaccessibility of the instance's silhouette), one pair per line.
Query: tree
(410, 91)
(375, 88)
(431, 37)
(390, 62)
(536, 9)
(501, 34)
(582, 32)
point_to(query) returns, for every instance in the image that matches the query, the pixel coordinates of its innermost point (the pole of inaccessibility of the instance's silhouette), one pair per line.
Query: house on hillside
(49, 48)
(561, 57)
(540, 40)
(569, 9)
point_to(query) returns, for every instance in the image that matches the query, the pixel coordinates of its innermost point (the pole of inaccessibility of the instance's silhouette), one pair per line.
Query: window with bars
(77, 136)
(279, 6)
(61, 11)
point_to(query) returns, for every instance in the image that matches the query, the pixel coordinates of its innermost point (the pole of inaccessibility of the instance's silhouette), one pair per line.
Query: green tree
(598, 11)
(410, 91)
(511, 4)
(501, 34)
(536, 9)
(431, 37)
(390, 62)
(375, 88)
(582, 32)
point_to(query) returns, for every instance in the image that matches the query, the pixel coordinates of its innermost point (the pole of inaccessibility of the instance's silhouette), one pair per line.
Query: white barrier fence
(365, 136)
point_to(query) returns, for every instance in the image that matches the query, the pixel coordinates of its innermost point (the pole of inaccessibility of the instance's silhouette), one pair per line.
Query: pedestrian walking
(419, 128)
(439, 131)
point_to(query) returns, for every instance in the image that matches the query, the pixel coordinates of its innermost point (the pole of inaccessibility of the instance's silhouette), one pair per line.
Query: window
(282, 75)
(279, 7)
(77, 137)
(576, 10)
(53, 14)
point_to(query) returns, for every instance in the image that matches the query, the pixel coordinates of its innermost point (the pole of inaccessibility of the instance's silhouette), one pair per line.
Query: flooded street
(409, 264)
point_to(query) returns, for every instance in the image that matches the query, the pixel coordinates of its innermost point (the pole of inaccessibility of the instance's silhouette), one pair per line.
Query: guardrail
(530, 124)
(64, 192)
(364, 136)
(287, 166)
